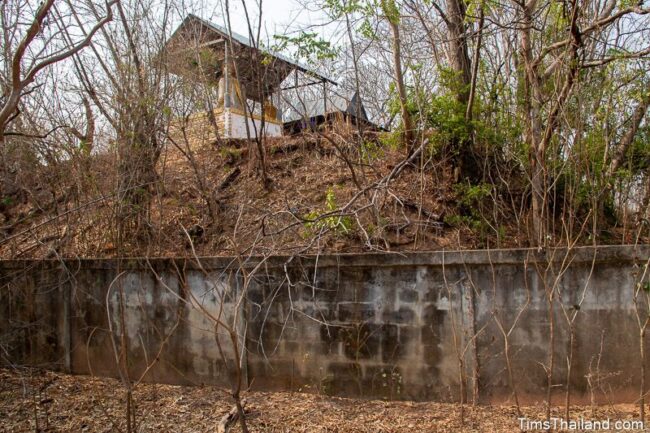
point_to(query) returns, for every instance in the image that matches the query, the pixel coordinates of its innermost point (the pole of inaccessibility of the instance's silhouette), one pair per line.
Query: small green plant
(501, 233)
(231, 155)
(391, 140)
(473, 195)
(370, 151)
(464, 220)
(472, 200)
(337, 223)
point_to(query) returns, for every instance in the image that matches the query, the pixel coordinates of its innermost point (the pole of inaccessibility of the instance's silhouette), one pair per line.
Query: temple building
(249, 79)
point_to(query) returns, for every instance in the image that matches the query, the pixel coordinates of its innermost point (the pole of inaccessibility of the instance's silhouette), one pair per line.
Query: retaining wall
(395, 326)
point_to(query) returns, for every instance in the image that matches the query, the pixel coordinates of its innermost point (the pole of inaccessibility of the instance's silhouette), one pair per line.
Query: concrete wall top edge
(601, 254)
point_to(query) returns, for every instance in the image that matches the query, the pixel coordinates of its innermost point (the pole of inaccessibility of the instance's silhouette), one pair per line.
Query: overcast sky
(278, 17)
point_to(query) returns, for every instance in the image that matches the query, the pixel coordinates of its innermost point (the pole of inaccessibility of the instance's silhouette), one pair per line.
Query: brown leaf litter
(67, 403)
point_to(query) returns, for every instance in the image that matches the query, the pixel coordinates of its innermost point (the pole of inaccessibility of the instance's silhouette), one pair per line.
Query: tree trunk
(628, 138)
(532, 113)
(458, 51)
(407, 123)
(461, 63)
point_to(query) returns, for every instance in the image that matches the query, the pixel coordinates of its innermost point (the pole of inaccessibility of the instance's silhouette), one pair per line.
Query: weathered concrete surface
(375, 325)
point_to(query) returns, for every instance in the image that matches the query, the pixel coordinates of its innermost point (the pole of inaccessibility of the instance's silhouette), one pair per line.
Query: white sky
(278, 17)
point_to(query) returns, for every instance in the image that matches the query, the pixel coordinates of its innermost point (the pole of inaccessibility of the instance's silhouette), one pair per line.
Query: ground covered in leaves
(69, 209)
(62, 402)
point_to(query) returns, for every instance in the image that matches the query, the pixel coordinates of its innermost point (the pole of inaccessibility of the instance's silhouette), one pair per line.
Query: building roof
(246, 42)
(198, 44)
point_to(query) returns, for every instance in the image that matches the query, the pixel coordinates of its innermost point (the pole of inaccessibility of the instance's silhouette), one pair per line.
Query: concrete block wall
(363, 331)
(372, 325)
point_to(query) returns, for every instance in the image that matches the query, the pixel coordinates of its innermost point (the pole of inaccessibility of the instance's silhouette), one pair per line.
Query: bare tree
(392, 14)
(32, 42)
(24, 66)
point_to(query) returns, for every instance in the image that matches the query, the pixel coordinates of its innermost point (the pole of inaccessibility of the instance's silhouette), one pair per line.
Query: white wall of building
(238, 126)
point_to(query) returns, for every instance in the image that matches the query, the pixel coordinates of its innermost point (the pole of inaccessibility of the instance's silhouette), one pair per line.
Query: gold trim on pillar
(255, 116)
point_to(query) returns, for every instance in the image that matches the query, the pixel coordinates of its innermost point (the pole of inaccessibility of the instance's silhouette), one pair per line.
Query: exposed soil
(83, 404)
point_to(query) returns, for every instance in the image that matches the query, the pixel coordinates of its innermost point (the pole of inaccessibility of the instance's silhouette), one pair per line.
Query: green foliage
(451, 81)
(308, 46)
(473, 10)
(371, 151)
(232, 155)
(85, 147)
(472, 196)
(208, 56)
(447, 116)
(393, 139)
(638, 155)
(464, 221)
(501, 233)
(557, 17)
(582, 194)
(441, 112)
(363, 9)
(367, 30)
(623, 4)
(472, 200)
(339, 8)
(390, 9)
(205, 58)
(336, 223)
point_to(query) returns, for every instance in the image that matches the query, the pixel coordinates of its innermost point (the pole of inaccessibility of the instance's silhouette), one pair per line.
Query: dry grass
(59, 221)
(69, 209)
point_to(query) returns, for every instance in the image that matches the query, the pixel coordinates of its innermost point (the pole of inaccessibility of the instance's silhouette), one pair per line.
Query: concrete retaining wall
(375, 325)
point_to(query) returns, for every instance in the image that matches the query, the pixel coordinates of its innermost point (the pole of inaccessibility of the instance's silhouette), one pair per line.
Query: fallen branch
(417, 207)
(229, 419)
(232, 176)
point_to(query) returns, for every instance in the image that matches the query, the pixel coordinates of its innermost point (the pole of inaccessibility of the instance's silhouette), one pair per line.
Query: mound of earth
(207, 200)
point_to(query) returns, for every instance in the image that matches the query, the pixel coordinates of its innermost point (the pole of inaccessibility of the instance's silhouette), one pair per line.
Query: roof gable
(254, 64)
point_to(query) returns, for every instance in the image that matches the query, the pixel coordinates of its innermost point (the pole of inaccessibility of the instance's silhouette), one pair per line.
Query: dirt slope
(69, 210)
